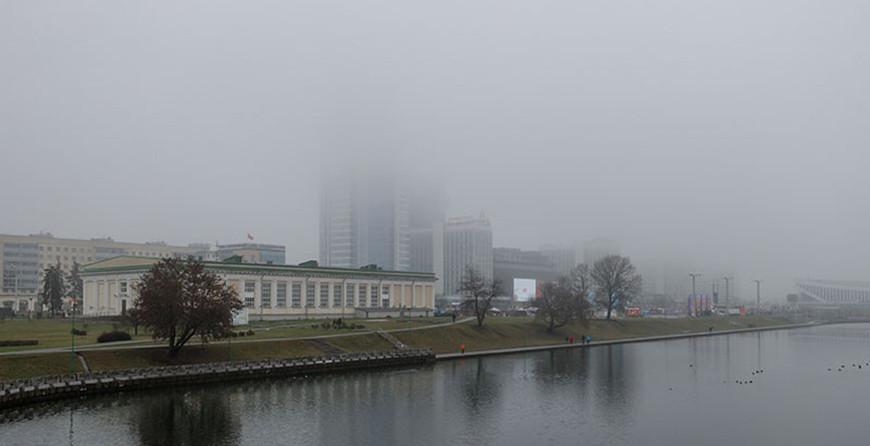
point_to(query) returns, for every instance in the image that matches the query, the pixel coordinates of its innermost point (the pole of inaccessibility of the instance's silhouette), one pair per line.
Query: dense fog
(726, 138)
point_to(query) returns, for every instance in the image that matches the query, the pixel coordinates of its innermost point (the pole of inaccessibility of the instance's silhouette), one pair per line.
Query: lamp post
(72, 358)
(757, 296)
(727, 291)
(693, 276)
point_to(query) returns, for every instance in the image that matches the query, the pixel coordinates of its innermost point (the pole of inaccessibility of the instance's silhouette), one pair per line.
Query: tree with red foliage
(178, 299)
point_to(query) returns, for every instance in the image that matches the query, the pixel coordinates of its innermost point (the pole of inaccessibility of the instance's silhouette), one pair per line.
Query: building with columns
(273, 291)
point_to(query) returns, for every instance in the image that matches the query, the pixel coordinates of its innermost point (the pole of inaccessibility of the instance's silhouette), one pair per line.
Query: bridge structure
(833, 293)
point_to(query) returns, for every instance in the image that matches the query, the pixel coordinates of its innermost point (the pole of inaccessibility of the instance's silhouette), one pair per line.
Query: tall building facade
(510, 264)
(364, 220)
(24, 257)
(563, 259)
(467, 242)
(427, 252)
(597, 249)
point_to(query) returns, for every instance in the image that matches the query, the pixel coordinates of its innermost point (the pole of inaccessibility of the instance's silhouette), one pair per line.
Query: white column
(258, 289)
(273, 296)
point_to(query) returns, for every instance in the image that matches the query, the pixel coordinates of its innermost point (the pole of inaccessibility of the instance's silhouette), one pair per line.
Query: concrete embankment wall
(507, 351)
(15, 393)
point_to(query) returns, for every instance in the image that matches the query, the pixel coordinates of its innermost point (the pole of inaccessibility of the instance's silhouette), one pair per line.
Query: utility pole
(727, 291)
(757, 296)
(693, 276)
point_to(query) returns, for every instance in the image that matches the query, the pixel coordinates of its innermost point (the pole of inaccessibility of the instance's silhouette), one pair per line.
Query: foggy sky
(729, 136)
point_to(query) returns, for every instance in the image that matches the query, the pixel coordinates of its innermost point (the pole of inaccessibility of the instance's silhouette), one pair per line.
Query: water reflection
(190, 418)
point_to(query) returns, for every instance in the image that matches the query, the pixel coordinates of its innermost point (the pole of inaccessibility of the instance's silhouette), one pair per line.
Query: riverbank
(509, 351)
(497, 333)
(21, 392)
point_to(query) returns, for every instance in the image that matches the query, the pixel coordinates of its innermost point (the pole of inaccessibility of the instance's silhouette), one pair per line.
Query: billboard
(525, 289)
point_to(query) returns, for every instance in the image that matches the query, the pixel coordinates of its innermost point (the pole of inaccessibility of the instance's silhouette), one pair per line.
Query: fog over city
(721, 137)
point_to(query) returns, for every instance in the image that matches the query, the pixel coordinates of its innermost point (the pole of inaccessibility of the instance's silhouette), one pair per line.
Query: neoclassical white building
(272, 291)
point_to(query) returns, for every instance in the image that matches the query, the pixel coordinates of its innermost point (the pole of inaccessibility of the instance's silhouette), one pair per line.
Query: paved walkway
(507, 351)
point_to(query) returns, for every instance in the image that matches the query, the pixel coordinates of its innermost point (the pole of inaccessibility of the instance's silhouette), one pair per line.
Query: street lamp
(727, 291)
(757, 296)
(693, 276)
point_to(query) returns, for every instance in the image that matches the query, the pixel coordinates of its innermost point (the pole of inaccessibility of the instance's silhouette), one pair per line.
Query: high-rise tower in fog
(364, 220)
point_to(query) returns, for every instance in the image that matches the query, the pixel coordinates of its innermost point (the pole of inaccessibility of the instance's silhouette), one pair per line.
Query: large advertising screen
(525, 289)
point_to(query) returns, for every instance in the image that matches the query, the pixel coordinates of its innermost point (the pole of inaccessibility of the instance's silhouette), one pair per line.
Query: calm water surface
(660, 393)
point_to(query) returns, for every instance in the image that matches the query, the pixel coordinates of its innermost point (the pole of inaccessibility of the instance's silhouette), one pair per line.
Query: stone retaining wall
(27, 391)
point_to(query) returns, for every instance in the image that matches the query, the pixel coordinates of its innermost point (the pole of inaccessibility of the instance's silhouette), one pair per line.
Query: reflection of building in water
(186, 418)
(272, 291)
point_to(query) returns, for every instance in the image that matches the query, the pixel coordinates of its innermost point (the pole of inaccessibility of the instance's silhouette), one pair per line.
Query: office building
(563, 259)
(467, 242)
(521, 273)
(364, 220)
(24, 257)
(597, 249)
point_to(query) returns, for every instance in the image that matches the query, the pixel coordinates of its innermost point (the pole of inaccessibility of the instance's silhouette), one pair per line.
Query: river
(766, 388)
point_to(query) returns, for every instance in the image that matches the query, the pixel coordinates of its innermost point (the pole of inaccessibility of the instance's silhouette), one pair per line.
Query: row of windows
(367, 295)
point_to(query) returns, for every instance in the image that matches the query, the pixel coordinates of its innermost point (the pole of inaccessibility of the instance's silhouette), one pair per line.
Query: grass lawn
(505, 332)
(56, 332)
(303, 328)
(237, 351)
(497, 332)
(14, 367)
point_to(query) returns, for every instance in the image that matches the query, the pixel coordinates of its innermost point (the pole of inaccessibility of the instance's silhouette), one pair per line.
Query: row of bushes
(17, 342)
(114, 336)
(236, 334)
(338, 324)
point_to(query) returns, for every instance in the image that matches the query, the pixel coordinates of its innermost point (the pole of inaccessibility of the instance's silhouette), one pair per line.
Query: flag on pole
(250, 236)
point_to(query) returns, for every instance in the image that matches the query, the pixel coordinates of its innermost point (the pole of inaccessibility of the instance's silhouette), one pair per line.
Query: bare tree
(566, 299)
(616, 282)
(478, 293)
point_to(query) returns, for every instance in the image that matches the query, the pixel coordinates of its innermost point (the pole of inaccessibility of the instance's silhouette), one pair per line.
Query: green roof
(115, 265)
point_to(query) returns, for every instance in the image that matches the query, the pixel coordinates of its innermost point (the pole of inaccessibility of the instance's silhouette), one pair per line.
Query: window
(363, 291)
(281, 295)
(296, 294)
(348, 300)
(123, 287)
(373, 295)
(385, 296)
(266, 295)
(250, 289)
(336, 295)
(324, 294)
(309, 294)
